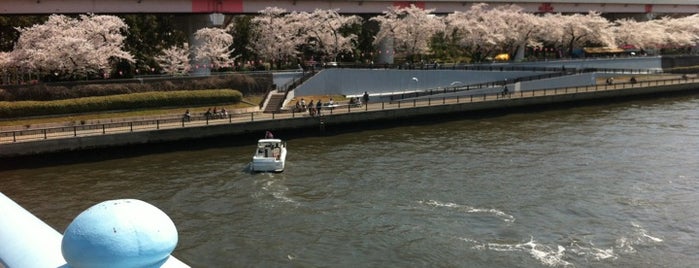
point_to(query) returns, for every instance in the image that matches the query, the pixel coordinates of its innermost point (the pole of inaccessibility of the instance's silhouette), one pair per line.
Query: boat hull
(267, 165)
(269, 157)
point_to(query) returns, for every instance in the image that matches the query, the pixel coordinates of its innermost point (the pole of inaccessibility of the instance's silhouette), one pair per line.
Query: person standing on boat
(319, 105)
(269, 135)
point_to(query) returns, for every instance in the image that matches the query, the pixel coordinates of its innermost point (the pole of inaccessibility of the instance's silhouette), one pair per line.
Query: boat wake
(274, 187)
(468, 209)
(555, 255)
(638, 237)
(548, 255)
(625, 244)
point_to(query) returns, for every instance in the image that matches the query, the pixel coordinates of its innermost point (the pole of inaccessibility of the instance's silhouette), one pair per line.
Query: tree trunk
(519, 55)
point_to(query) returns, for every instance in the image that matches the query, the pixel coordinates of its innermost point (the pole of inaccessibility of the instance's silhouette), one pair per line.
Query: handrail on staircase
(293, 84)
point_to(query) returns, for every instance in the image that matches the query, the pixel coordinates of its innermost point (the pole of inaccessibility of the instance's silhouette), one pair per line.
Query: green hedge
(118, 102)
(248, 84)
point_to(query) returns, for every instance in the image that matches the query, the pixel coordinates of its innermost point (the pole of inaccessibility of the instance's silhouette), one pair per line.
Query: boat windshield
(268, 144)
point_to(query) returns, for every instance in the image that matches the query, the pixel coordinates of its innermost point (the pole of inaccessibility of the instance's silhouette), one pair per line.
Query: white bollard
(116, 233)
(120, 233)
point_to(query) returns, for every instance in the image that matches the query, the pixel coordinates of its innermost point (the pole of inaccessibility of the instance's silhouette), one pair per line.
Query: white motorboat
(269, 156)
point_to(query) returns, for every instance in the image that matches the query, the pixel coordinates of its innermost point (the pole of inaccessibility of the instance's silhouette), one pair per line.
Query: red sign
(404, 4)
(649, 8)
(545, 8)
(222, 6)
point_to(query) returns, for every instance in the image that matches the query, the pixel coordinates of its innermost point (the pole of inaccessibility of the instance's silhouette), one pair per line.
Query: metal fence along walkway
(496, 95)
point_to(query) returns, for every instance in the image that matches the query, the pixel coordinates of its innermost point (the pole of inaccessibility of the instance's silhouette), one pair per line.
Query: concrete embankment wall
(329, 121)
(147, 137)
(356, 81)
(505, 104)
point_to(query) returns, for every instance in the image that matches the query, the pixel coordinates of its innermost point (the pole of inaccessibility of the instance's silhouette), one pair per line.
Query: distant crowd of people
(315, 108)
(610, 80)
(214, 113)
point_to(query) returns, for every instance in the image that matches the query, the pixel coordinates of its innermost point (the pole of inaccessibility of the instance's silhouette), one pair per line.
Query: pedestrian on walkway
(311, 109)
(610, 80)
(186, 117)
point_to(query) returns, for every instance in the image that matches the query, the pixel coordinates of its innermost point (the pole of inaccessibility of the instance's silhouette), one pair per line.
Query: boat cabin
(269, 148)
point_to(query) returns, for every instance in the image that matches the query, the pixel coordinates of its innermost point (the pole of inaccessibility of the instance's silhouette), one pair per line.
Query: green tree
(365, 38)
(241, 37)
(8, 31)
(149, 35)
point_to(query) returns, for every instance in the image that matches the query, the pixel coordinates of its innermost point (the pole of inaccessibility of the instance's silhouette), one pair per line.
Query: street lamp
(217, 19)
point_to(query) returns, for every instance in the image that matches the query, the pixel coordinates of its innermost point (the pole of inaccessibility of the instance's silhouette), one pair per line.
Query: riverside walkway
(43, 140)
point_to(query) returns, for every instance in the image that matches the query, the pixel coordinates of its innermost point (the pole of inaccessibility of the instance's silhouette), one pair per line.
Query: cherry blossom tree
(214, 47)
(658, 33)
(474, 32)
(578, 30)
(646, 34)
(480, 31)
(175, 60)
(6, 62)
(70, 47)
(520, 29)
(325, 32)
(680, 32)
(276, 35)
(90, 45)
(411, 29)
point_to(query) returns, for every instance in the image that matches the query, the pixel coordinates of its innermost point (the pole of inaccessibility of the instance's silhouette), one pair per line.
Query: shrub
(246, 83)
(118, 102)
(164, 86)
(82, 91)
(4, 95)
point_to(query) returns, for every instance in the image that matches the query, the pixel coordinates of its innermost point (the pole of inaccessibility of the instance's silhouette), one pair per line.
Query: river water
(612, 185)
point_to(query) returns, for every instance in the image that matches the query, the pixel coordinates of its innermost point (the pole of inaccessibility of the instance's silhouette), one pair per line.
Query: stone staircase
(274, 105)
(277, 97)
